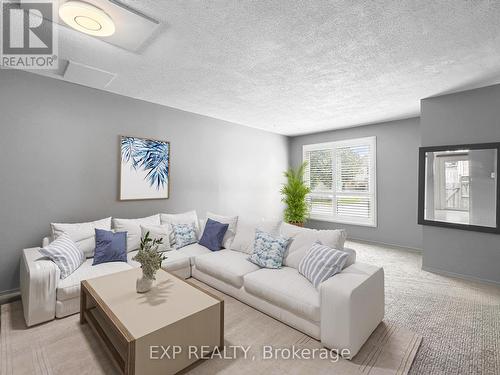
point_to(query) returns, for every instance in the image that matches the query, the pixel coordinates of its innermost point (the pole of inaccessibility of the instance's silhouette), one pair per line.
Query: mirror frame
(421, 187)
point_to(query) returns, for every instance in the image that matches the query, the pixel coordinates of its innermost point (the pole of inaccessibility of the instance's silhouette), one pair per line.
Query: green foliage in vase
(149, 257)
(294, 194)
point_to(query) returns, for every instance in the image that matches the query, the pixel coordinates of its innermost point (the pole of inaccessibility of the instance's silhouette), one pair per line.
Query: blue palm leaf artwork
(145, 160)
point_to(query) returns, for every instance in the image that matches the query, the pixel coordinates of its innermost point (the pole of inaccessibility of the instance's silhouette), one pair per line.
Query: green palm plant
(294, 194)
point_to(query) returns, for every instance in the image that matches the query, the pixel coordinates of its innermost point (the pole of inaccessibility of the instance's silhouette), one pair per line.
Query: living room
(250, 187)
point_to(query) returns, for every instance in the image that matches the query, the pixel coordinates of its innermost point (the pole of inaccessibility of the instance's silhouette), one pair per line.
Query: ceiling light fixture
(86, 18)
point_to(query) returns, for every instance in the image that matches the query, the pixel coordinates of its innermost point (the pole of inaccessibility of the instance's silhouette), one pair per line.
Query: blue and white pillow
(268, 250)
(321, 263)
(185, 234)
(65, 254)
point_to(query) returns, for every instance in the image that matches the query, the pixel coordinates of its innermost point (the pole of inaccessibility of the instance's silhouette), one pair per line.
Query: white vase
(143, 284)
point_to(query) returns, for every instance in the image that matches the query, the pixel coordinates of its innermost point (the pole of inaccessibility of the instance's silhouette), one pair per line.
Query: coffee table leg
(83, 304)
(221, 325)
(130, 360)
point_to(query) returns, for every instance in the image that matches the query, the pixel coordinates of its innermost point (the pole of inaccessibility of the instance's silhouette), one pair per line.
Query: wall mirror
(458, 187)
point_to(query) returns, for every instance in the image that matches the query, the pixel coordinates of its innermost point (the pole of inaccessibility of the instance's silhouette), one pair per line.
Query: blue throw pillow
(268, 250)
(185, 234)
(110, 247)
(213, 235)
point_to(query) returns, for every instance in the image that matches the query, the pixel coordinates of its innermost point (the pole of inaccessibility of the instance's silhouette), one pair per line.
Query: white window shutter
(319, 177)
(341, 176)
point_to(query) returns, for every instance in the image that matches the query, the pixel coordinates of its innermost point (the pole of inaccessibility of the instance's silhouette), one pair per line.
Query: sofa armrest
(352, 306)
(39, 278)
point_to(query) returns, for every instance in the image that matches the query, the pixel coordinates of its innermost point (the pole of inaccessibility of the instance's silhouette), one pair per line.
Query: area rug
(63, 346)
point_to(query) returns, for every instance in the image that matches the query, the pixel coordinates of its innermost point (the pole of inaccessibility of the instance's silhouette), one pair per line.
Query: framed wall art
(144, 168)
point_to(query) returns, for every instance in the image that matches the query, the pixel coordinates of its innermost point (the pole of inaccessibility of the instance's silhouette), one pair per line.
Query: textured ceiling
(295, 67)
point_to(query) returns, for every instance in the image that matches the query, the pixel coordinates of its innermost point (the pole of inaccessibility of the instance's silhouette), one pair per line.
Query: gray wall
(59, 161)
(468, 117)
(397, 161)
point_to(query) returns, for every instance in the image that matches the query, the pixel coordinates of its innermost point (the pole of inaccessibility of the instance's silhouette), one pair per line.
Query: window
(341, 176)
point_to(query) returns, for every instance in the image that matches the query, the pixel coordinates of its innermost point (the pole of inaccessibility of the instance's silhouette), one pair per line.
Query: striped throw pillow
(322, 262)
(65, 254)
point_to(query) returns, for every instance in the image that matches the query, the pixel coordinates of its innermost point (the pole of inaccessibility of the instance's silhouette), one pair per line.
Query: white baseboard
(9, 296)
(412, 249)
(459, 275)
(430, 269)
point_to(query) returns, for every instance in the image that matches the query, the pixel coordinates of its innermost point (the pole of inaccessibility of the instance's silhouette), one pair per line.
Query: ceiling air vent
(88, 75)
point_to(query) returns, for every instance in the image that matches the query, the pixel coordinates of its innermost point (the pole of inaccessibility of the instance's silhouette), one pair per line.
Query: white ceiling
(295, 67)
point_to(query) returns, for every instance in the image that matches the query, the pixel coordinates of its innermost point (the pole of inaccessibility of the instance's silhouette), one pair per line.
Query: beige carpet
(63, 346)
(459, 320)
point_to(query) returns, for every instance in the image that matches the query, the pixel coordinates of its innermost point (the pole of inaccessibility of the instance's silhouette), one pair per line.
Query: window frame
(334, 194)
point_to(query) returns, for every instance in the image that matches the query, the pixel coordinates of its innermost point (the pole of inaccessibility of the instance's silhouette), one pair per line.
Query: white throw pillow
(245, 233)
(83, 234)
(304, 238)
(189, 217)
(157, 232)
(232, 221)
(65, 254)
(133, 229)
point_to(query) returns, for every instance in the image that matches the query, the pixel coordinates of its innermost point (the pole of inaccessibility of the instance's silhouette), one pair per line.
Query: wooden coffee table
(142, 331)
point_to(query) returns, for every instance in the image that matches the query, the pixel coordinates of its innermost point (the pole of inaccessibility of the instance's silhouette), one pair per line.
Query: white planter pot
(143, 284)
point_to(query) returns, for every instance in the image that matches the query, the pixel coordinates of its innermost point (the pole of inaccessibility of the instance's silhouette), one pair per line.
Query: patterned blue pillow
(268, 250)
(185, 234)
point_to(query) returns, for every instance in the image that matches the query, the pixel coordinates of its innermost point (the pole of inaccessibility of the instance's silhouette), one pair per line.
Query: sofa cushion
(303, 239)
(285, 288)
(226, 265)
(193, 250)
(82, 233)
(245, 233)
(175, 260)
(70, 287)
(351, 256)
(133, 229)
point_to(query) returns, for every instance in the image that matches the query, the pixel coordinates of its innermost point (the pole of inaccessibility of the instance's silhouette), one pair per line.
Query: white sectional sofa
(342, 312)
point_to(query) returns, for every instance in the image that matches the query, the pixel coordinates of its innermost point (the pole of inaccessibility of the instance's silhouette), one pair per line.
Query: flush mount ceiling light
(86, 18)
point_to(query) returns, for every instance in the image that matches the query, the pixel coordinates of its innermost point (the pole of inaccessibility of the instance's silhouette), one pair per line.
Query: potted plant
(150, 259)
(294, 194)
